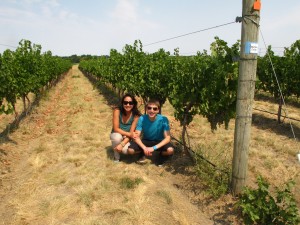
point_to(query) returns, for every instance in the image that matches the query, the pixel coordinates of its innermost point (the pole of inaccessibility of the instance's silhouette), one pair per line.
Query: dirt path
(56, 169)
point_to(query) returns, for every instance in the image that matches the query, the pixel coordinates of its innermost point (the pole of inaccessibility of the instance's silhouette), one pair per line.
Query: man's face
(152, 110)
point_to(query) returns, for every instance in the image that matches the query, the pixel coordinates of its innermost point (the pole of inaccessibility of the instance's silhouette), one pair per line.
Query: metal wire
(210, 28)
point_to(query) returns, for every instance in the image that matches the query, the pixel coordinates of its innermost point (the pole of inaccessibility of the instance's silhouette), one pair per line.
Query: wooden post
(245, 93)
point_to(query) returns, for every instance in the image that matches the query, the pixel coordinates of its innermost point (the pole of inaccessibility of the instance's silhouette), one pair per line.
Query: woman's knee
(116, 137)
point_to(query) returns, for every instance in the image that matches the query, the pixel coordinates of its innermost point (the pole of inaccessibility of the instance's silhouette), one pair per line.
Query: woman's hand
(131, 135)
(118, 148)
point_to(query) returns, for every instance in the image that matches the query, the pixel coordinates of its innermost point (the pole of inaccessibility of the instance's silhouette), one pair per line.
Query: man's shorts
(148, 143)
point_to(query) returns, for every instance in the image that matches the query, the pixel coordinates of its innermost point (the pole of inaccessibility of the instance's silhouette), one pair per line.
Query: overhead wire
(190, 33)
(8, 46)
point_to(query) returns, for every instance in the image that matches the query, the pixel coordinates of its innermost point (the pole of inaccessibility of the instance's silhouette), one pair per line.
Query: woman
(125, 119)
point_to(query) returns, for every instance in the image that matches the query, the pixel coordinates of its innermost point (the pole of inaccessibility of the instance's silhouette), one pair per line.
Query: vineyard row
(27, 70)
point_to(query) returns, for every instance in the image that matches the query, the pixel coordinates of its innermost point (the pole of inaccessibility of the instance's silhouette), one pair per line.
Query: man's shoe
(142, 160)
(161, 160)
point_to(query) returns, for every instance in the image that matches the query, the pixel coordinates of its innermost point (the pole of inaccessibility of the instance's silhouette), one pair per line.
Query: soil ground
(57, 167)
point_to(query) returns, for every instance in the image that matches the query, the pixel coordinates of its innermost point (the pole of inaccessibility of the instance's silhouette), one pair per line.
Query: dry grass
(61, 170)
(57, 168)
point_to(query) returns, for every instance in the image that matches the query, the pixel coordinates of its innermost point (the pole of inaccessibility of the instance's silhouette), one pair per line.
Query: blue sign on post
(251, 48)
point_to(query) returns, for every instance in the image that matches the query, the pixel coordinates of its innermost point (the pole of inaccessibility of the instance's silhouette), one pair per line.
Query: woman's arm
(133, 126)
(116, 124)
(131, 132)
(116, 128)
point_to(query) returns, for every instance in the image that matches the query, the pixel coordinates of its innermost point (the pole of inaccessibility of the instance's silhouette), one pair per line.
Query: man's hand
(148, 151)
(135, 135)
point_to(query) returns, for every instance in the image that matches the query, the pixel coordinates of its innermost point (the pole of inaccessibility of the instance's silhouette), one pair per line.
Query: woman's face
(128, 104)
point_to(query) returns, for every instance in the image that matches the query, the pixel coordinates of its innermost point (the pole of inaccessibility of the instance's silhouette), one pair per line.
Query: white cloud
(31, 1)
(128, 22)
(65, 15)
(47, 11)
(7, 12)
(126, 11)
(53, 3)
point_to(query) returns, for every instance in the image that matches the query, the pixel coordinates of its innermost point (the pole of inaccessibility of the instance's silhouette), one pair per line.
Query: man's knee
(170, 151)
(130, 151)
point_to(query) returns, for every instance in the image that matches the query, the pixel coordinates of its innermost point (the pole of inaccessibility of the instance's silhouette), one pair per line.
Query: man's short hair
(154, 101)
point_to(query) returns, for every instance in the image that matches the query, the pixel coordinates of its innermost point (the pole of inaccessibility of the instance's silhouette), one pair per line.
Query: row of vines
(281, 78)
(27, 70)
(203, 84)
(287, 69)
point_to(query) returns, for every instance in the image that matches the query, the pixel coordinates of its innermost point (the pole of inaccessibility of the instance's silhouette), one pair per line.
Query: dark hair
(135, 110)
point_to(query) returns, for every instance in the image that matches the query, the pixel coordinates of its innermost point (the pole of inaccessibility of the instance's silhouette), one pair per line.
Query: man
(155, 132)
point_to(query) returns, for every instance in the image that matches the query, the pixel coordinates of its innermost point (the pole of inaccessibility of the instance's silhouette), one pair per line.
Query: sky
(67, 27)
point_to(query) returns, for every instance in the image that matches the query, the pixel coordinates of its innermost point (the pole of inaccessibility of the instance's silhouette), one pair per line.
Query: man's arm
(167, 134)
(166, 140)
(137, 139)
(149, 150)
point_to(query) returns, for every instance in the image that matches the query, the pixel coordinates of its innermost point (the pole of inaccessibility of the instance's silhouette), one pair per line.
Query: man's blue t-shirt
(153, 130)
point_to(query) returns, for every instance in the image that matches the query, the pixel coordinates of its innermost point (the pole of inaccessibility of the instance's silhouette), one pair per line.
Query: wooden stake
(245, 95)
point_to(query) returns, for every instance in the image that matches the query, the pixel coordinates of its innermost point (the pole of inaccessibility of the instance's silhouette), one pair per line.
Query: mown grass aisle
(61, 171)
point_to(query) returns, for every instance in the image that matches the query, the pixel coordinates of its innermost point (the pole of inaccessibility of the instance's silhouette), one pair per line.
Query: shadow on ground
(110, 96)
(128, 159)
(284, 129)
(268, 98)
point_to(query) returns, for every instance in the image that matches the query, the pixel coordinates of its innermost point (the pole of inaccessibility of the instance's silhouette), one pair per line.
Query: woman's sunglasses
(154, 108)
(127, 102)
